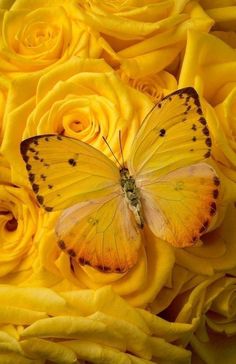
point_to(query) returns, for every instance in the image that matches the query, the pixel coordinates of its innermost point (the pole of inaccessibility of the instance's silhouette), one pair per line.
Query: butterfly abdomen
(131, 193)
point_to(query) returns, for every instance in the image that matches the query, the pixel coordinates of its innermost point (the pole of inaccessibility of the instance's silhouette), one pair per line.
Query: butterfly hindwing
(64, 171)
(179, 206)
(100, 233)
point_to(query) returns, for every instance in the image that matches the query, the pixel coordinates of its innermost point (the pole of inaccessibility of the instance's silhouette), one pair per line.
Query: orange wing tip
(105, 267)
(211, 210)
(108, 267)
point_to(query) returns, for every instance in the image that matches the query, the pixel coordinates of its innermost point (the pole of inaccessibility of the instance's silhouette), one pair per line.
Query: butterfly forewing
(174, 134)
(64, 171)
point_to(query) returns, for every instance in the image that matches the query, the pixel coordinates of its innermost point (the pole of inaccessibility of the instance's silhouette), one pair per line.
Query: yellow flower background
(85, 69)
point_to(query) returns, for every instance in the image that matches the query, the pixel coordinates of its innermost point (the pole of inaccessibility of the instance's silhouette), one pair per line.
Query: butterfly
(165, 185)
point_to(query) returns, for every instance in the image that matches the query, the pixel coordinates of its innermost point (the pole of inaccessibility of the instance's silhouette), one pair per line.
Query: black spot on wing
(205, 131)
(189, 91)
(215, 193)
(40, 199)
(35, 187)
(202, 120)
(81, 261)
(72, 162)
(119, 270)
(48, 208)
(208, 142)
(61, 244)
(31, 177)
(71, 252)
(207, 154)
(212, 208)
(103, 268)
(84, 261)
(216, 181)
(162, 132)
(26, 158)
(204, 227)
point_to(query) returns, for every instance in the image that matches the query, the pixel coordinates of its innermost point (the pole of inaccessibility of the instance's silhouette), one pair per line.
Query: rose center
(77, 126)
(72, 122)
(39, 34)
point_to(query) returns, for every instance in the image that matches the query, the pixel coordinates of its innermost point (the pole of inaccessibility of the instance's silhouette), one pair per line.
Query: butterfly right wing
(101, 233)
(178, 192)
(64, 171)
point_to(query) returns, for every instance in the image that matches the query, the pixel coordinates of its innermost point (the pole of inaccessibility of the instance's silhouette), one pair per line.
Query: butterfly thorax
(132, 195)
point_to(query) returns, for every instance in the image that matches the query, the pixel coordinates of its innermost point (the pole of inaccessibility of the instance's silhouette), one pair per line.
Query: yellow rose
(4, 86)
(222, 12)
(207, 56)
(227, 37)
(210, 309)
(36, 35)
(155, 86)
(18, 222)
(145, 38)
(95, 326)
(226, 114)
(139, 52)
(5, 172)
(87, 100)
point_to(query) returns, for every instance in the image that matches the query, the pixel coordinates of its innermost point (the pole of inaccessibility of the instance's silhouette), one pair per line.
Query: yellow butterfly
(164, 184)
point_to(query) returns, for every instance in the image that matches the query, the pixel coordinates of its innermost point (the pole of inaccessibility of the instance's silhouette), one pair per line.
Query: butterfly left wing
(64, 171)
(101, 233)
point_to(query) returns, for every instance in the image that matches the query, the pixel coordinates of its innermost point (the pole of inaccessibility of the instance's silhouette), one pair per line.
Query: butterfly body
(164, 183)
(132, 195)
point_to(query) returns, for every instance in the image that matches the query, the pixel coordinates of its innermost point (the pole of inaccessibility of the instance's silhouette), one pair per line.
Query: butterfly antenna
(121, 149)
(111, 151)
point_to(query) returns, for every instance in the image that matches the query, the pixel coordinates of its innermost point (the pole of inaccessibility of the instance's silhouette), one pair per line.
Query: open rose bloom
(86, 69)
